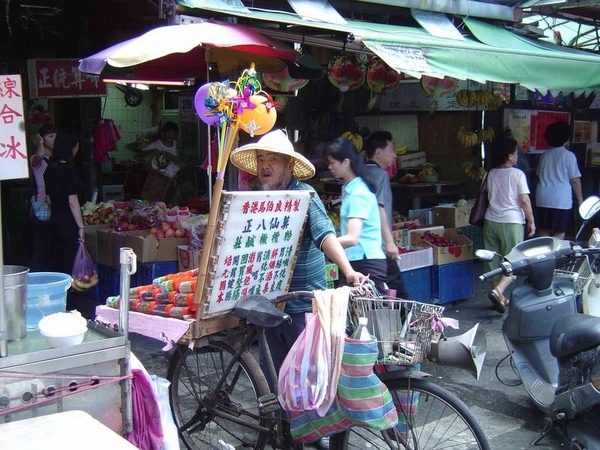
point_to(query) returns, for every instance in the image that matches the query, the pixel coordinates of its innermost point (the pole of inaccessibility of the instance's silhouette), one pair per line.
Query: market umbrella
(176, 52)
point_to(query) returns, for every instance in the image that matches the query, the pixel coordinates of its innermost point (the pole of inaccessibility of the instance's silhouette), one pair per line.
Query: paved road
(507, 415)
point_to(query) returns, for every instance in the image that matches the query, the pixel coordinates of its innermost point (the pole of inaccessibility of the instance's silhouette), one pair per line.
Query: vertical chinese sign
(13, 147)
(256, 247)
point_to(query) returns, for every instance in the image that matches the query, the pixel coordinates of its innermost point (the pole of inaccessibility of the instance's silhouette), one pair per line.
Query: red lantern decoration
(346, 73)
(381, 78)
(282, 81)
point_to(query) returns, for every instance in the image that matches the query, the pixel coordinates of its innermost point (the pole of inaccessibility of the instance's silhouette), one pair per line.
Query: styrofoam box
(419, 257)
(425, 216)
(411, 159)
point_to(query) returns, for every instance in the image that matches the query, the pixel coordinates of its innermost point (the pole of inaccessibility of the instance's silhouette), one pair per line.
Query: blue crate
(147, 272)
(451, 282)
(418, 284)
(110, 282)
(474, 234)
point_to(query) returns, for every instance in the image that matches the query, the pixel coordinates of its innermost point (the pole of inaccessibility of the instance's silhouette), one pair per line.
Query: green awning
(496, 54)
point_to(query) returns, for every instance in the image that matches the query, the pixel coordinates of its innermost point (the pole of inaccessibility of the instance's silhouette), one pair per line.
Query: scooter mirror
(485, 255)
(589, 207)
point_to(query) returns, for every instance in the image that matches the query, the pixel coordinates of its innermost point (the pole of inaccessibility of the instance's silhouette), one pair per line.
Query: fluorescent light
(147, 82)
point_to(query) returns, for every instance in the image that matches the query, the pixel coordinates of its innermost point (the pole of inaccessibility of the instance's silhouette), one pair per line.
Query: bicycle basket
(580, 270)
(403, 327)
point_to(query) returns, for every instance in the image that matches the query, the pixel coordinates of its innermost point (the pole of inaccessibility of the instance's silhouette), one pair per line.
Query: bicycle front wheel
(429, 418)
(211, 417)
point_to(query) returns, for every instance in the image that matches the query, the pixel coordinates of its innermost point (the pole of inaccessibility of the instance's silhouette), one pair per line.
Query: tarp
(493, 54)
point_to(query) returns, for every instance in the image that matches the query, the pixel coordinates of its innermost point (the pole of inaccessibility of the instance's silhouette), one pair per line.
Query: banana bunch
(355, 138)
(486, 134)
(479, 99)
(466, 137)
(476, 172)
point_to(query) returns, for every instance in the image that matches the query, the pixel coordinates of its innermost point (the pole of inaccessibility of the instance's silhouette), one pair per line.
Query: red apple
(179, 232)
(160, 234)
(176, 225)
(165, 226)
(169, 233)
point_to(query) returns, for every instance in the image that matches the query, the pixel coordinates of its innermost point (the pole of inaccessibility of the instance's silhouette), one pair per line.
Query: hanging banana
(355, 138)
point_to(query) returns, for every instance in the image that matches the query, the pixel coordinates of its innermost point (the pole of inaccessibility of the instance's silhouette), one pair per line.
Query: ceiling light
(146, 82)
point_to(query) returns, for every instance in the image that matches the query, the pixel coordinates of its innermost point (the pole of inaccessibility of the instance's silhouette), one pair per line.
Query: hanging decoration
(437, 87)
(346, 73)
(380, 78)
(229, 106)
(283, 82)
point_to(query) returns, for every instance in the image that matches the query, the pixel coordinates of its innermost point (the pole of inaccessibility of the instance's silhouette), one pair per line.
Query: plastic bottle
(362, 331)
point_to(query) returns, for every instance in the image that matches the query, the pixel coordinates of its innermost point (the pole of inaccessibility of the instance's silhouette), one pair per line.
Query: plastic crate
(475, 234)
(415, 259)
(147, 272)
(110, 282)
(418, 284)
(451, 282)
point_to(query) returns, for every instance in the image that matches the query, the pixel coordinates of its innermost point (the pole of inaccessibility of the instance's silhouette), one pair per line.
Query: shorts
(553, 219)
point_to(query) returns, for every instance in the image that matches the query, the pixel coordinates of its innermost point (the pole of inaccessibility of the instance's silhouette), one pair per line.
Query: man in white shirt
(168, 140)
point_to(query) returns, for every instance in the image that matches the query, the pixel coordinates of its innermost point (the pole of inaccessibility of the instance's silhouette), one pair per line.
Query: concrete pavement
(503, 407)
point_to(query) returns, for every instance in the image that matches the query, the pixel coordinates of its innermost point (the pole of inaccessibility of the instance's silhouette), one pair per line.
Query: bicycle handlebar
(291, 296)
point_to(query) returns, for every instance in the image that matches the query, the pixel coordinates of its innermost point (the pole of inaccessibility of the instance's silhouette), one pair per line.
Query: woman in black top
(62, 189)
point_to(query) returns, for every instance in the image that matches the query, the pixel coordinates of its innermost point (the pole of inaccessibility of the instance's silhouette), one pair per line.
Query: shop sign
(187, 113)
(528, 126)
(13, 145)
(412, 97)
(256, 250)
(58, 78)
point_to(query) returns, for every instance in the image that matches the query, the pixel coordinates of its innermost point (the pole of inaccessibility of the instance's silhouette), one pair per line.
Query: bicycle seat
(258, 310)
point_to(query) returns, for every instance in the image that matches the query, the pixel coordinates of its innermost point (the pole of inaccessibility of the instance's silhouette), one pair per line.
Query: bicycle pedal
(268, 403)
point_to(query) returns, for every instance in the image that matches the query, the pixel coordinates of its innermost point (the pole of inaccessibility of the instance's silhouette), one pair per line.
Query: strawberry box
(402, 238)
(449, 245)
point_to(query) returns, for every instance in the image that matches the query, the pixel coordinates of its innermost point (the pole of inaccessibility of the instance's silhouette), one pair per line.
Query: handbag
(477, 215)
(41, 209)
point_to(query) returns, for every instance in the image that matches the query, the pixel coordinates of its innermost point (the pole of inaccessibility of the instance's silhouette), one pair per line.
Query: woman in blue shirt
(360, 220)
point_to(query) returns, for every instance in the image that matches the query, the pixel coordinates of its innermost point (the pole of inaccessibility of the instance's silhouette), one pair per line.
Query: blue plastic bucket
(46, 294)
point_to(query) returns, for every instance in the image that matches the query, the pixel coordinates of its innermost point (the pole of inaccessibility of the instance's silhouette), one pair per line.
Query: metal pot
(15, 301)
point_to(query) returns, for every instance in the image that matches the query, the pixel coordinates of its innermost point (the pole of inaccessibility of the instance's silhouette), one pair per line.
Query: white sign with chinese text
(257, 247)
(13, 146)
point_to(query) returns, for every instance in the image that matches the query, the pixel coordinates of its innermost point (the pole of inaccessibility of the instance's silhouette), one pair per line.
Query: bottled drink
(362, 331)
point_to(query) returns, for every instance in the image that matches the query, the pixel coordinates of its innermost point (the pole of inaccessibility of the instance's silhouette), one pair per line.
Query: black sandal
(496, 299)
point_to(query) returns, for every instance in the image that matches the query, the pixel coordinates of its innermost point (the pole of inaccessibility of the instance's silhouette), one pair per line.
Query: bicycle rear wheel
(430, 417)
(211, 418)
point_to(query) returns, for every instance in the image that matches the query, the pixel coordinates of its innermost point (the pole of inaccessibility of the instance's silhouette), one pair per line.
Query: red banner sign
(55, 78)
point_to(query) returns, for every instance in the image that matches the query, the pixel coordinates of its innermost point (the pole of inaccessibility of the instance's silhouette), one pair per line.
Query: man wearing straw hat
(279, 167)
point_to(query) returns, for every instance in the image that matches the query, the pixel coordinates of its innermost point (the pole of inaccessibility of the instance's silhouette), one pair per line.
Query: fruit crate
(418, 284)
(415, 259)
(147, 272)
(451, 282)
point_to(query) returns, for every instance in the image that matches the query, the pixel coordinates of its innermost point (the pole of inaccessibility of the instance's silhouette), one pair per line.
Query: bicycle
(221, 399)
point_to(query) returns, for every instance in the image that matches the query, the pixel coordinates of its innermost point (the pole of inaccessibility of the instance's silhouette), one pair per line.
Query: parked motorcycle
(554, 347)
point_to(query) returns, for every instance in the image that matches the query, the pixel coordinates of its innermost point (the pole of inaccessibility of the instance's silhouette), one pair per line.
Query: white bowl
(63, 329)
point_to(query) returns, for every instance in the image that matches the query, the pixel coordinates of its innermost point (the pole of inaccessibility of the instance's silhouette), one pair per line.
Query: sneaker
(321, 444)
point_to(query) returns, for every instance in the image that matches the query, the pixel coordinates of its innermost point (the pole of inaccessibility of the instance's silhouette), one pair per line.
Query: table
(69, 430)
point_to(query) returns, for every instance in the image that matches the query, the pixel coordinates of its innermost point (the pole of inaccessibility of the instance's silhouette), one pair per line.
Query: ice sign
(13, 146)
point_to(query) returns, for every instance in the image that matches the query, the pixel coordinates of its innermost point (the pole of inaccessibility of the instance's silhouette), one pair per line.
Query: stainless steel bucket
(15, 301)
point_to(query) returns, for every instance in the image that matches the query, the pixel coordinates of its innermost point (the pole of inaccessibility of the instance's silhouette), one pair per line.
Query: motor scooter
(554, 347)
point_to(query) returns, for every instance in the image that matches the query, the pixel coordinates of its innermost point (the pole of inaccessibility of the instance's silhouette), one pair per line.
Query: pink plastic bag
(84, 272)
(304, 375)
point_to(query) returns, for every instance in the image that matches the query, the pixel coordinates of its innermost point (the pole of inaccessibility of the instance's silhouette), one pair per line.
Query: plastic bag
(170, 433)
(84, 272)
(304, 375)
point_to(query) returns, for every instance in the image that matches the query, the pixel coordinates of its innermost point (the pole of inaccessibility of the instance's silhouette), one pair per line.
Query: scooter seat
(573, 333)
(258, 310)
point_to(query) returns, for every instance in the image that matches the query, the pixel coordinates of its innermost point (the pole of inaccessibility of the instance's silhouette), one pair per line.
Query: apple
(160, 234)
(165, 226)
(176, 224)
(153, 230)
(170, 233)
(131, 227)
(179, 232)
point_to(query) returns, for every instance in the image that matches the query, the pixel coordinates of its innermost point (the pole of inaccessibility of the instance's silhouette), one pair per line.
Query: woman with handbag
(508, 209)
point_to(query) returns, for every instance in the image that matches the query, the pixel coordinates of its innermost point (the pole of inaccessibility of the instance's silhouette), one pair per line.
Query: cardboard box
(451, 216)
(91, 239)
(402, 238)
(109, 246)
(150, 249)
(187, 259)
(411, 159)
(463, 250)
